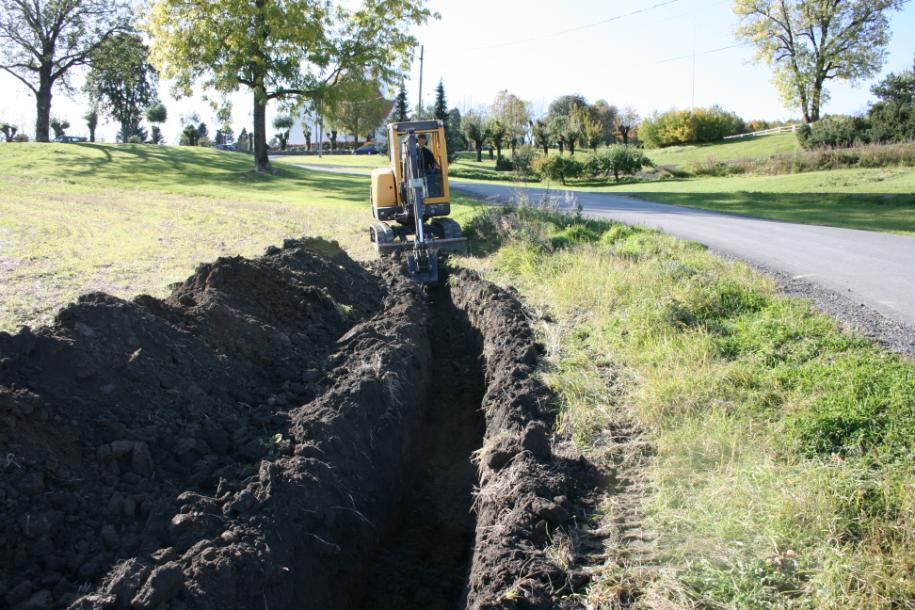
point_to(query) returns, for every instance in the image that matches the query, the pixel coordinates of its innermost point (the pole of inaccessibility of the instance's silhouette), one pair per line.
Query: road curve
(868, 267)
(876, 269)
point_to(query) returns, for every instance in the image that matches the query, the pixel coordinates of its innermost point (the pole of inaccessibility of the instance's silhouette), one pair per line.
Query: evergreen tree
(401, 113)
(440, 109)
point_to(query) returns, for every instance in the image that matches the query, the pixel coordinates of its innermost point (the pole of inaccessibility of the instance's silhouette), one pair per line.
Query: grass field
(356, 161)
(132, 219)
(781, 471)
(728, 150)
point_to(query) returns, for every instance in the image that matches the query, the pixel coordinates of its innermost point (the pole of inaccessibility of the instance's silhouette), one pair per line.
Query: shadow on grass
(170, 166)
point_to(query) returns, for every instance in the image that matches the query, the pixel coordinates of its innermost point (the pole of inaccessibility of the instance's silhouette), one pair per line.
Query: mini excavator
(410, 200)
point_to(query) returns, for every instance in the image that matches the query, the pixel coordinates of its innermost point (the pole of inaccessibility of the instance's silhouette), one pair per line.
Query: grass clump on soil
(782, 474)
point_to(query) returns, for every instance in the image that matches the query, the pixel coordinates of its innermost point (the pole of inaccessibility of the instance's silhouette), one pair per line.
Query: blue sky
(542, 49)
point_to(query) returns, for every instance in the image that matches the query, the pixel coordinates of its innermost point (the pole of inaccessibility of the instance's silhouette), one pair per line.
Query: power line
(708, 52)
(567, 30)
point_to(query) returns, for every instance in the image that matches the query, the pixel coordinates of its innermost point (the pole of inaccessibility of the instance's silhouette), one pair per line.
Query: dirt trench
(294, 431)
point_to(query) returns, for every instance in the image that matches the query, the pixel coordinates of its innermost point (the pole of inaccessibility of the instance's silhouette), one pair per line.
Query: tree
(564, 104)
(513, 113)
(440, 107)
(475, 130)
(809, 42)
(626, 121)
(280, 50)
(566, 121)
(9, 131)
(357, 106)
(892, 118)
(607, 116)
(497, 134)
(156, 114)
(284, 123)
(401, 110)
(454, 134)
(558, 125)
(591, 133)
(91, 118)
(617, 160)
(60, 127)
(42, 40)
(541, 133)
(122, 81)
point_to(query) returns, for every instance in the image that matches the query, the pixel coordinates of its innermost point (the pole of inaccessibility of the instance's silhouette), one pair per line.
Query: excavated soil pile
(294, 431)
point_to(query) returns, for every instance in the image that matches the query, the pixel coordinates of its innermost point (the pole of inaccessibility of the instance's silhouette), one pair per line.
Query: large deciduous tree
(91, 118)
(42, 40)
(280, 50)
(122, 81)
(809, 42)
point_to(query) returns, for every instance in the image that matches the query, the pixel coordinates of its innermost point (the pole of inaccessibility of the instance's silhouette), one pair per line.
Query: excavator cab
(411, 199)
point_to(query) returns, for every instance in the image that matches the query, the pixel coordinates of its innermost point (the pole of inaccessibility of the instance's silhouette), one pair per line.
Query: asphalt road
(875, 269)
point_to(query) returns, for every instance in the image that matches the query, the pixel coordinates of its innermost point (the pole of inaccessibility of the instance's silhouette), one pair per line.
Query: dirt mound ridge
(289, 431)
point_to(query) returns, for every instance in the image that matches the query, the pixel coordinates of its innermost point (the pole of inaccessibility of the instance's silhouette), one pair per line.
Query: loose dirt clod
(289, 431)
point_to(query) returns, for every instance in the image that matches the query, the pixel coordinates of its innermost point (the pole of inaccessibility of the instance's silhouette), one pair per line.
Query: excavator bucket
(423, 266)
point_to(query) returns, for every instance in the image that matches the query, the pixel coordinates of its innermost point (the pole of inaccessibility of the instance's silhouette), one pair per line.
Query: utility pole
(419, 105)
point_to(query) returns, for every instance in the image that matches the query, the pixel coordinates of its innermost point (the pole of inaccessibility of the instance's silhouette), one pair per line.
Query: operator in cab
(428, 166)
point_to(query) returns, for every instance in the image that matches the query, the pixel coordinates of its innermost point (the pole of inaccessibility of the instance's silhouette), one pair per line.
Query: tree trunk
(490, 153)
(92, 134)
(560, 148)
(261, 158)
(546, 150)
(43, 106)
(571, 148)
(616, 174)
(333, 140)
(355, 141)
(479, 148)
(815, 101)
(499, 153)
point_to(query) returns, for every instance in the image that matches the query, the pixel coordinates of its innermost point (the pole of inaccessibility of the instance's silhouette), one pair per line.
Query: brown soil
(294, 431)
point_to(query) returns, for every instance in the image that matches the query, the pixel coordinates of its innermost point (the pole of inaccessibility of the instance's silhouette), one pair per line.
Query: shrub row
(689, 127)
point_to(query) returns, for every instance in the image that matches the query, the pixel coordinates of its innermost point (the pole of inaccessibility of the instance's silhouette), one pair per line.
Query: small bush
(713, 167)
(20, 137)
(504, 165)
(524, 160)
(689, 127)
(834, 131)
(559, 168)
(134, 139)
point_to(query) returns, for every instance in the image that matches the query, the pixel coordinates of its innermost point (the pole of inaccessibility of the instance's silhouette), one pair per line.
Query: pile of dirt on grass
(295, 430)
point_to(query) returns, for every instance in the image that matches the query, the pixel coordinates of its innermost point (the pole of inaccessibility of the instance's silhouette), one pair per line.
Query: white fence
(765, 132)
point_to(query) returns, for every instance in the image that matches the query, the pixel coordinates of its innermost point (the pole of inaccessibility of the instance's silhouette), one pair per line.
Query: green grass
(354, 161)
(130, 219)
(728, 150)
(782, 474)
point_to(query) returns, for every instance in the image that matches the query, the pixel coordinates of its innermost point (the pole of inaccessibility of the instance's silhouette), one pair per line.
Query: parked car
(367, 149)
(225, 147)
(70, 139)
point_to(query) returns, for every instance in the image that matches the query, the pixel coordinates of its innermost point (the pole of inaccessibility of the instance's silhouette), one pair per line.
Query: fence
(765, 132)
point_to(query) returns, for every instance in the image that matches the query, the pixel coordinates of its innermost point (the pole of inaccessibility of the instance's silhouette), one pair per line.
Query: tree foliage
(689, 127)
(540, 132)
(41, 41)
(9, 131)
(475, 130)
(892, 117)
(60, 127)
(440, 107)
(627, 120)
(401, 108)
(834, 132)
(512, 112)
(280, 50)
(356, 106)
(282, 122)
(558, 168)
(616, 160)
(809, 42)
(91, 118)
(122, 81)
(497, 133)
(156, 113)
